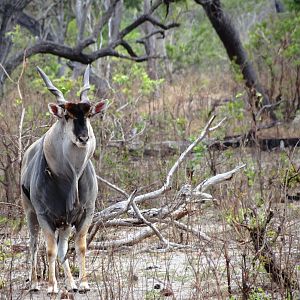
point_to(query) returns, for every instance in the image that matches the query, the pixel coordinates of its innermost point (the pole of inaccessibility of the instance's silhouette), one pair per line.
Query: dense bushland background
(156, 108)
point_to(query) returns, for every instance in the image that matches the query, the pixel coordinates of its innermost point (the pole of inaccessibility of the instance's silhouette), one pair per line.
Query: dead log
(168, 148)
(247, 141)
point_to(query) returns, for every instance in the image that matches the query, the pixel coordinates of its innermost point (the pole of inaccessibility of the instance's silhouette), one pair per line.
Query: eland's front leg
(63, 237)
(80, 246)
(51, 246)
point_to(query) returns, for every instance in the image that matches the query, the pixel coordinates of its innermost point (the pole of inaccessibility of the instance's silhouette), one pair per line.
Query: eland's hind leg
(34, 233)
(63, 237)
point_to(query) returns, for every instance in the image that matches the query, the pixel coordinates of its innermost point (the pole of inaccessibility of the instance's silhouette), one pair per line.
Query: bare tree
(46, 42)
(229, 36)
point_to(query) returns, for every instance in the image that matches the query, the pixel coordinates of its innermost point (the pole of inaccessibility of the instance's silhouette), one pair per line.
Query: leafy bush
(137, 77)
(275, 45)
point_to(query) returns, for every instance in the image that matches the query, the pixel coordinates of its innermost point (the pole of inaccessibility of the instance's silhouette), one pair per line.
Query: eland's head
(74, 116)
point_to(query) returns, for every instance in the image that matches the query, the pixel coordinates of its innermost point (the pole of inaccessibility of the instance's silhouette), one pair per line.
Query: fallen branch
(121, 207)
(174, 210)
(110, 213)
(130, 240)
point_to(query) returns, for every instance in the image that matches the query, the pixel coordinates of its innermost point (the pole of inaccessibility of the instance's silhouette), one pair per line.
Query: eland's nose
(83, 138)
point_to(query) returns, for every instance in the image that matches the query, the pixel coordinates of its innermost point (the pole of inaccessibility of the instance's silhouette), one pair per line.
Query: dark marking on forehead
(77, 110)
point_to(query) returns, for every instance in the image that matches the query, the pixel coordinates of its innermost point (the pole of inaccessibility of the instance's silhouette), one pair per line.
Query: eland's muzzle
(83, 139)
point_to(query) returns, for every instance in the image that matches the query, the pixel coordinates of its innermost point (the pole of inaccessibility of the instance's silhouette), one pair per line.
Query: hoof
(66, 294)
(84, 288)
(52, 290)
(83, 291)
(34, 288)
(72, 287)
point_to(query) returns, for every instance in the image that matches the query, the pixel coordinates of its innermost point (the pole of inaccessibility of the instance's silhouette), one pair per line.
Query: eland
(59, 186)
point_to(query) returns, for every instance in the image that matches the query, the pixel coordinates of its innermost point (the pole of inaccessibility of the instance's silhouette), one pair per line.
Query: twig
(23, 109)
(204, 185)
(142, 40)
(20, 136)
(218, 125)
(197, 233)
(21, 75)
(111, 185)
(5, 72)
(267, 106)
(152, 226)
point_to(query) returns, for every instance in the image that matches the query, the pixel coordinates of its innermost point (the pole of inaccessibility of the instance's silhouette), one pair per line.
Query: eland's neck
(64, 158)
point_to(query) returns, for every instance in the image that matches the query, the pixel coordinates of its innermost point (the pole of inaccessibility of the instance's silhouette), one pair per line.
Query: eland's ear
(56, 110)
(98, 108)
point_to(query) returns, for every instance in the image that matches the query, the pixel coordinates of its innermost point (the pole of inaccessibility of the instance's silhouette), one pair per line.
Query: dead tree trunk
(233, 45)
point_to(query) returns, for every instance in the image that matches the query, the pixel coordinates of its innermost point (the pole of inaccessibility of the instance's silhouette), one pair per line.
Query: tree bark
(114, 24)
(233, 45)
(279, 6)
